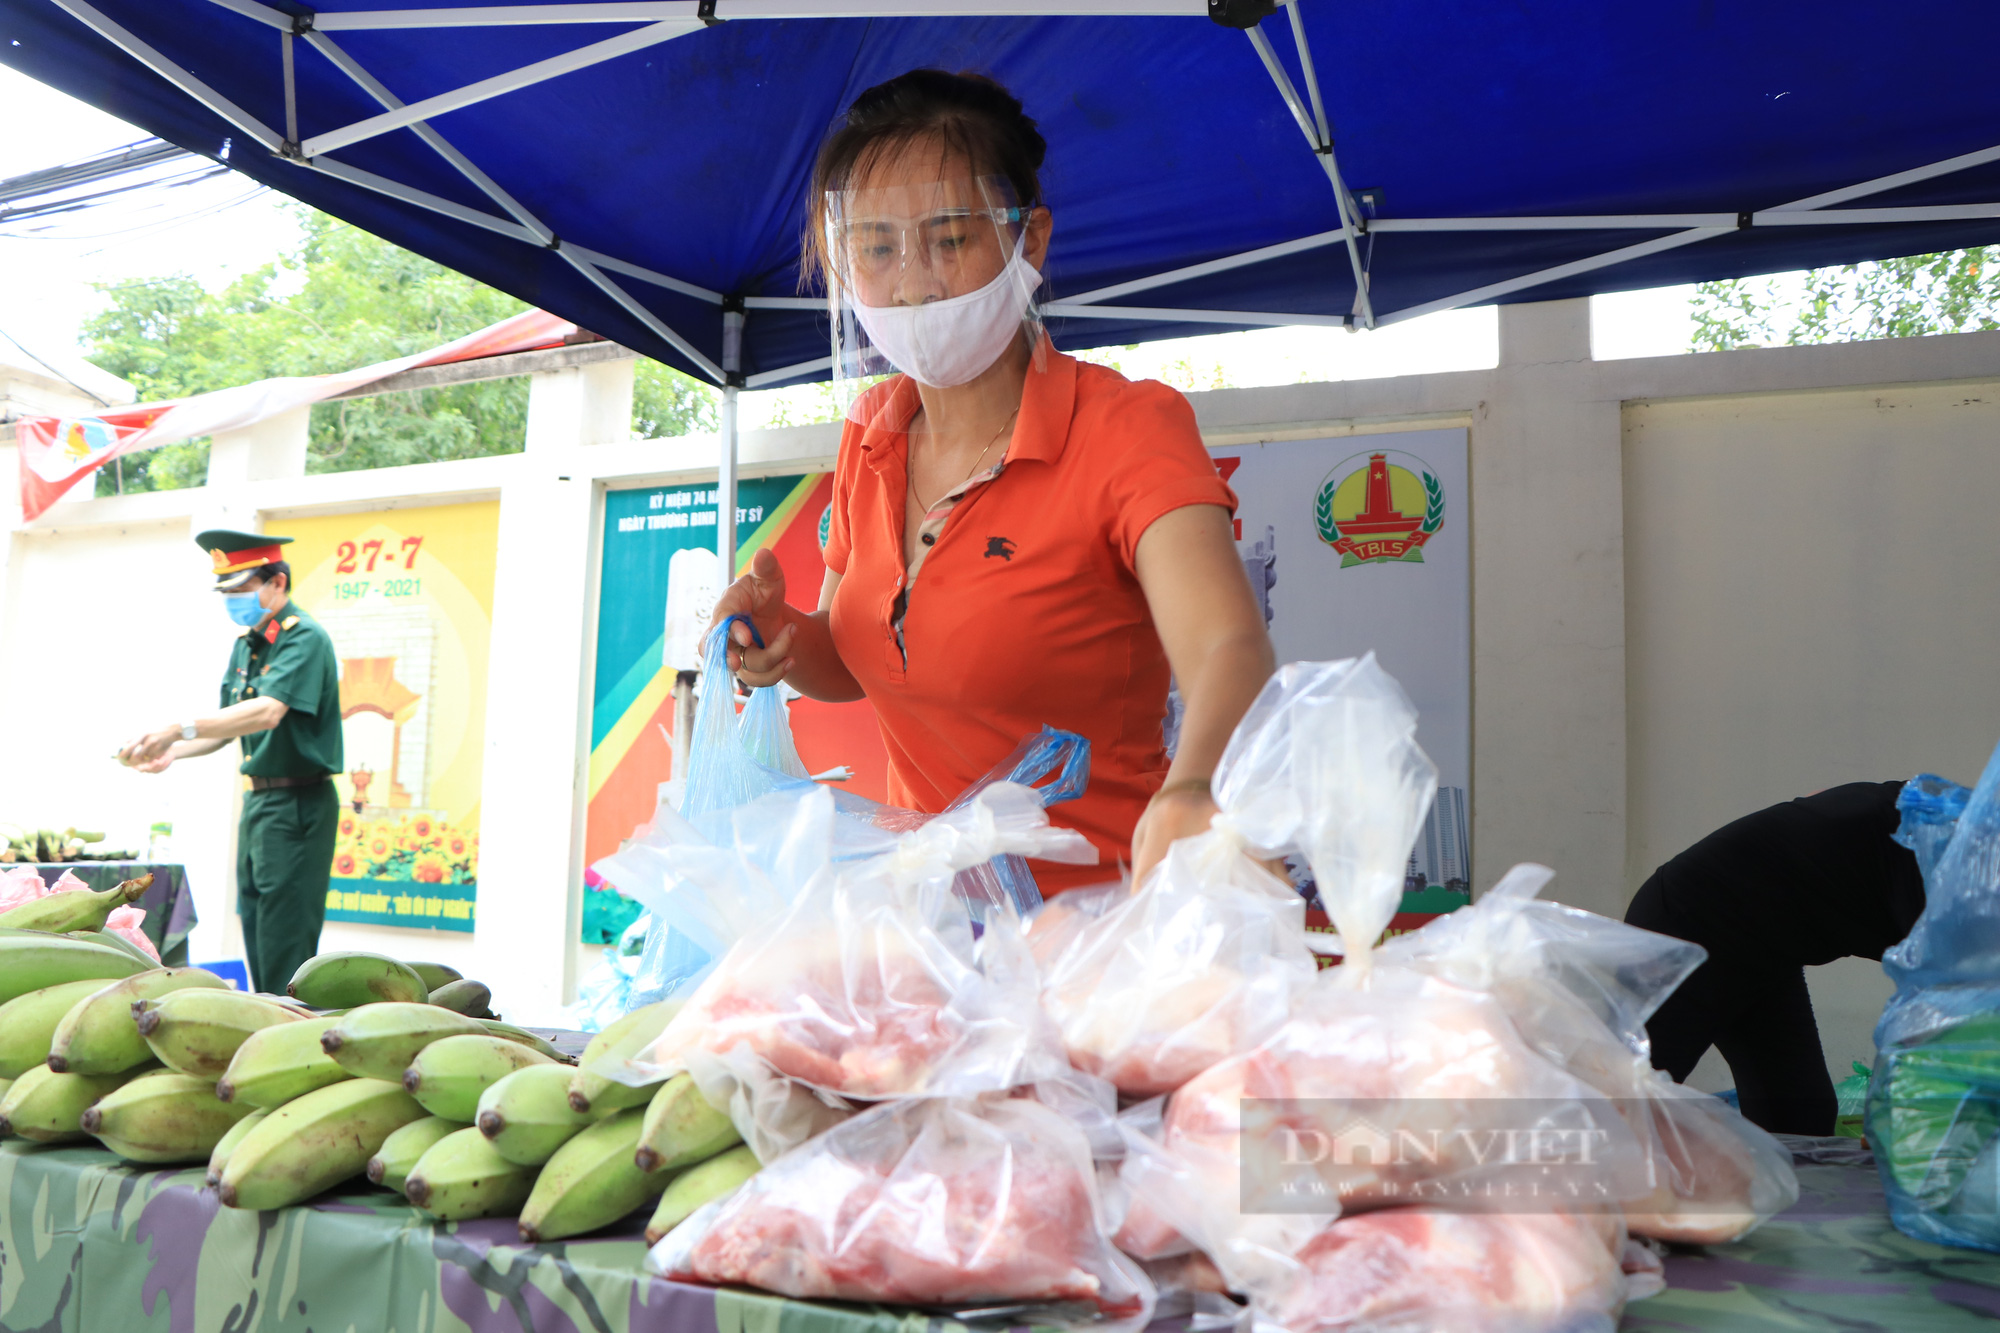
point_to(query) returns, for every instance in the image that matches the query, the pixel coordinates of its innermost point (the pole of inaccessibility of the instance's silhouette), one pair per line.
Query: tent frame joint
(302, 24)
(705, 11)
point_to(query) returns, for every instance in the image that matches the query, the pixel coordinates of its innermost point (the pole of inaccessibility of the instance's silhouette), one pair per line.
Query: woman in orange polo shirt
(1017, 538)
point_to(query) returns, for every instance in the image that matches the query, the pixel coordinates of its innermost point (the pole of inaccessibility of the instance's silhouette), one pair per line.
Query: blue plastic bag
(1933, 1110)
(733, 760)
(684, 867)
(1931, 806)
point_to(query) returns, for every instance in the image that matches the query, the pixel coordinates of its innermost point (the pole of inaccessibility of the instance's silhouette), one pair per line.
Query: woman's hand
(760, 595)
(1171, 816)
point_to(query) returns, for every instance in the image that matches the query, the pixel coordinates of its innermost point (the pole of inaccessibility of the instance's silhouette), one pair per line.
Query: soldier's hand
(149, 747)
(158, 765)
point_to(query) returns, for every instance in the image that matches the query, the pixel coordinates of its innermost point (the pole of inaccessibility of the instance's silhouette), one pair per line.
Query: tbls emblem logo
(1374, 511)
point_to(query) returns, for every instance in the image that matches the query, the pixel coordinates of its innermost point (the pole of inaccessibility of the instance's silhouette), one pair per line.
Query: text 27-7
(351, 555)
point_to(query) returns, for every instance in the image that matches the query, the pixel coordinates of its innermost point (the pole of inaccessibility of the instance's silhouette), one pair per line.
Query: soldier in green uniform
(281, 701)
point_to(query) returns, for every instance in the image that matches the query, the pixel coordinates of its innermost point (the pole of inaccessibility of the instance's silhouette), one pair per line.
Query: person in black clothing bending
(1794, 886)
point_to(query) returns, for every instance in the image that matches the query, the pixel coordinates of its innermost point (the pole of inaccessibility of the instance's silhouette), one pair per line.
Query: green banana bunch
(110, 941)
(591, 1182)
(434, 975)
(28, 1024)
(380, 1040)
(314, 1142)
(227, 1145)
(162, 1118)
(33, 960)
(5, 1084)
(402, 1150)
(448, 1076)
(527, 1114)
(525, 1037)
(461, 1177)
(347, 980)
(720, 1175)
(471, 998)
(278, 1063)
(681, 1128)
(100, 1036)
(198, 1031)
(48, 1107)
(75, 909)
(617, 1043)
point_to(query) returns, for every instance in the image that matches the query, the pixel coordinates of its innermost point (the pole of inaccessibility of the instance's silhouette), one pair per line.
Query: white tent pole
(1222, 265)
(374, 87)
(643, 11)
(764, 377)
(725, 469)
(1963, 162)
(262, 13)
(542, 70)
(617, 265)
(172, 73)
(537, 233)
(1068, 311)
(1306, 64)
(1323, 149)
(1536, 279)
(1812, 202)
(368, 180)
(291, 90)
(639, 312)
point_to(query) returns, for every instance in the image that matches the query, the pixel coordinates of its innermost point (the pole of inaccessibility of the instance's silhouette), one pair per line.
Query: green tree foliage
(342, 298)
(1954, 292)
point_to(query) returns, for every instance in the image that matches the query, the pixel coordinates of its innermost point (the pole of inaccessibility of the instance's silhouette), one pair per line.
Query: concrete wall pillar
(269, 450)
(537, 692)
(1548, 627)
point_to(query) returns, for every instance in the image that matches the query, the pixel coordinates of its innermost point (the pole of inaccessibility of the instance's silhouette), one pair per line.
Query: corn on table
(88, 1244)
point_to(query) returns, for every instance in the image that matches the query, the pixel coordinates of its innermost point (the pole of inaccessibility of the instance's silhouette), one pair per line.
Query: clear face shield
(931, 280)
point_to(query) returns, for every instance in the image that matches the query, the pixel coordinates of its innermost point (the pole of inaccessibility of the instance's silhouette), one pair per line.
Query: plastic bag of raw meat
(1579, 989)
(870, 984)
(1388, 1087)
(1420, 1269)
(1207, 957)
(1413, 1090)
(975, 1209)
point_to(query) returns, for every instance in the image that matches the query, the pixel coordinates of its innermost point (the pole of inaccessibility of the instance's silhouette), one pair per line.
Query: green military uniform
(284, 844)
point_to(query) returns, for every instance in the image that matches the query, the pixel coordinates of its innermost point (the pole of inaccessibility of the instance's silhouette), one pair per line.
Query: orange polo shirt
(1027, 609)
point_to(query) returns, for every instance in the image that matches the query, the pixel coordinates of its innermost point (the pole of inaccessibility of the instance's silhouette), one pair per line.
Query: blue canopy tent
(640, 166)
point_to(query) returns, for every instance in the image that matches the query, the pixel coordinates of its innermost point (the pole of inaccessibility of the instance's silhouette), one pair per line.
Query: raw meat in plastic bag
(1423, 1269)
(935, 1202)
(1414, 1059)
(1207, 958)
(1380, 1054)
(126, 922)
(1579, 989)
(18, 885)
(871, 985)
(1181, 974)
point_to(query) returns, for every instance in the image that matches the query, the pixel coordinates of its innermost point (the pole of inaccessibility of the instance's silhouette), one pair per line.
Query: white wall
(1700, 584)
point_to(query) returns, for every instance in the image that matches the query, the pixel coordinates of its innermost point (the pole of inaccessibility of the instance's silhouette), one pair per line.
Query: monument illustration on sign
(1380, 511)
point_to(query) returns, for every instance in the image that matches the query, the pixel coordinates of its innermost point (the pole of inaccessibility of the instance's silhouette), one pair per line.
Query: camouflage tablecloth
(90, 1246)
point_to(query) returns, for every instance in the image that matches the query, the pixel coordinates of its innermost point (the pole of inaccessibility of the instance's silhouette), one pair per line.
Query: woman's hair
(968, 115)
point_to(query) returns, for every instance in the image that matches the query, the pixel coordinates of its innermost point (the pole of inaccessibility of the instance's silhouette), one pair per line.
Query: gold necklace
(912, 473)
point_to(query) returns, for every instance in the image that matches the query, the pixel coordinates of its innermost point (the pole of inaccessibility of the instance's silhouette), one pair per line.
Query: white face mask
(953, 341)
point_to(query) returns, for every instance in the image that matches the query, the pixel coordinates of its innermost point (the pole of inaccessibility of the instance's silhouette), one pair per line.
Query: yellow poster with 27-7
(407, 597)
